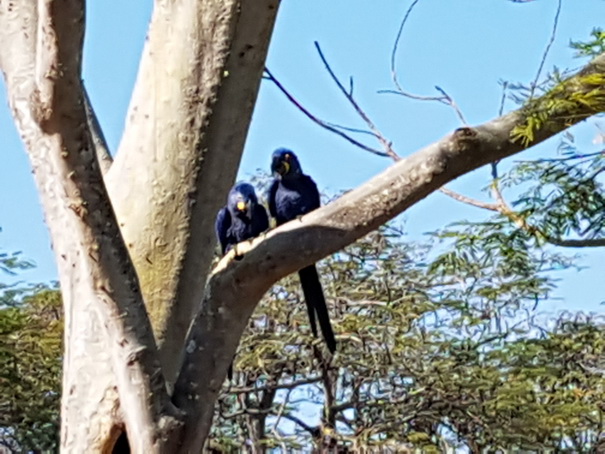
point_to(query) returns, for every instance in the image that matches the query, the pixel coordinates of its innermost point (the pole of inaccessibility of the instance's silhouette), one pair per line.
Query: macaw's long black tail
(316, 304)
(230, 372)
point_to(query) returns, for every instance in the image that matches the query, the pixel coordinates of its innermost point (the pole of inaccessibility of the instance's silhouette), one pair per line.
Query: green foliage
(440, 343)
(556, 102)
(435, 352)
(562, 197)
(30, 372)
(563, 105)
(593, 47)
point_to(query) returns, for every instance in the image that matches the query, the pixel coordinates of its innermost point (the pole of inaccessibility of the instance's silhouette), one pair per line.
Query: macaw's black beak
(280, 168)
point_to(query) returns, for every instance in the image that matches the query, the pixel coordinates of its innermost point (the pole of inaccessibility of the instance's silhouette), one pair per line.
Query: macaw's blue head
(242, 200)
(284, 164)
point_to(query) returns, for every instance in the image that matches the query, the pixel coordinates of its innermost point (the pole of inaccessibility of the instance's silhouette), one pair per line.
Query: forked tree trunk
(189, 115)
(133, 248)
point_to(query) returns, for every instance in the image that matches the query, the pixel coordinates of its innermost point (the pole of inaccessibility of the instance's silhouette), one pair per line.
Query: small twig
(318, 121)
(568, 158)
(280, 413)
(547, 50)
(313, 431)
(291, 385)
(450, 101)
(386, 144)
(503, 99)
(469, 201)
(355, 130)
(394, 56)
(444, 99)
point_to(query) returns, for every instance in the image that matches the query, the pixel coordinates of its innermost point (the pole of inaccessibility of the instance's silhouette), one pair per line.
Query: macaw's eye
(241, 205)
(287, 156)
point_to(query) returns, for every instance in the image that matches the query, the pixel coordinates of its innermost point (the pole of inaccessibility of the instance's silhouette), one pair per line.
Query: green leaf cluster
(31, 330)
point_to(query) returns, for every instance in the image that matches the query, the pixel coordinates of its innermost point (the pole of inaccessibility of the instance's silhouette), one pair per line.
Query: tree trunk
(189, 116)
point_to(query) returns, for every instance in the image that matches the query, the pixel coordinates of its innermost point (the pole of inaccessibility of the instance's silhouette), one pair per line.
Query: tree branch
(184, 136)
(236, 286)
(98, 138)
(277, 386)
(50, 112)
(324, 124)
(505, 209)
(386, 144)
(547, 49)
(314, 431)
(444, 98)
(85, 347)
(470, 201)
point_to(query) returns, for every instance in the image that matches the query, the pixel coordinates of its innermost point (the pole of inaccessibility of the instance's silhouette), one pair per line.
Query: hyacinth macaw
(243, 218)
(294, 194)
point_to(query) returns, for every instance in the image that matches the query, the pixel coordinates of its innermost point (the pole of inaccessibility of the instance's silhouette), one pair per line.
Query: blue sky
(464, 46)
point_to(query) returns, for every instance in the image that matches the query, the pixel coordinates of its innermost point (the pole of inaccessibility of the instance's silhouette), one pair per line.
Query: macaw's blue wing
(310, 194)
(221, 227)
(271, 198)
(296, 194)
(260, 220)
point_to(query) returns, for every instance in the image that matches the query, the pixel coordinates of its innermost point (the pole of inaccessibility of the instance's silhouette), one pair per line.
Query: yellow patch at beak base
(241, 205)
(286, 166)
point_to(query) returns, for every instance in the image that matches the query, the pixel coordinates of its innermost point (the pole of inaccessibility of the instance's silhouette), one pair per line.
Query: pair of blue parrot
(291, 194)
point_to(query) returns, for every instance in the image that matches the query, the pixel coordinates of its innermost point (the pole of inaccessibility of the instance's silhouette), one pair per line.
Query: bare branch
(444, 98)
(469, 201)
(232, 294)
(394, 74)
(84, 229)
(595, 242)
(324, 124)
(566, 158)
(314, 431)
(290, 385)
(386, 144)
(547, 50)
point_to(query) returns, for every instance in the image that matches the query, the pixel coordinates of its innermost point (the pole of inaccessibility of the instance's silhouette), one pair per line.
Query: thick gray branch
(50, 112)
(235, 287)
(85, 347)
(98, 138)
(185, 131)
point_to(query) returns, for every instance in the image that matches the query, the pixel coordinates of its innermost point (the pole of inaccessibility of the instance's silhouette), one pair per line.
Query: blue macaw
(293, 194)
(241, 219)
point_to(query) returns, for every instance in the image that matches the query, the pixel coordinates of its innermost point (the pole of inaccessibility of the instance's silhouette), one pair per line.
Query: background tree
(126, 264)
(439, 352)
(434, 353)
(30, 357)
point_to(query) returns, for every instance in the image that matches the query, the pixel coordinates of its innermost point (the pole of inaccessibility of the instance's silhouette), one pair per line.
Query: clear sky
(464, 46)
